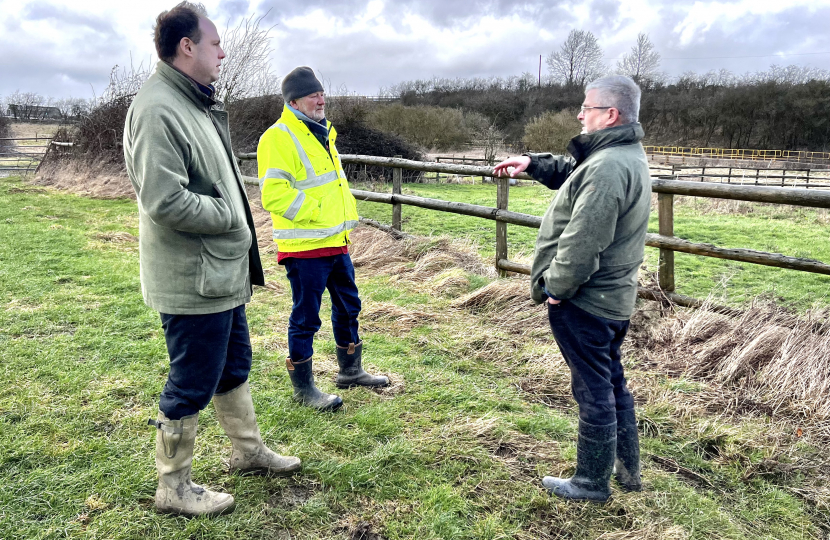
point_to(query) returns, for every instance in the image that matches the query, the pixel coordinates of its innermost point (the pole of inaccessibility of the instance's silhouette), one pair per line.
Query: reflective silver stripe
(309, 170)
(277, 173)
(295, 206)
(316, 181)
(296, 234)
(312, 180)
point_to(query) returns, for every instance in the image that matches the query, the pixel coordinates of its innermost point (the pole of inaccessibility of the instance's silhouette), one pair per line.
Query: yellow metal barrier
(740, 153)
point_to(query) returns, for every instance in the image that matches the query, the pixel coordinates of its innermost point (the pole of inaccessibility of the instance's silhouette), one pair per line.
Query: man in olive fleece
(198, 256)
(588, 252)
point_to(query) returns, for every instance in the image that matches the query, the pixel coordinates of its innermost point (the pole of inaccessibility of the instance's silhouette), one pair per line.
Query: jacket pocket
(223, 194)
(223, 269)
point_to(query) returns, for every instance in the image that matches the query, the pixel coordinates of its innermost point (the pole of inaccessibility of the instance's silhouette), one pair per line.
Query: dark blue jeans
(209, 354)
(591, 348)
(309, 278)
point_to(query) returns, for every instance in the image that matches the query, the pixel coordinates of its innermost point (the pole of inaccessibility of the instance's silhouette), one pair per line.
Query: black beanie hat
(300, 83)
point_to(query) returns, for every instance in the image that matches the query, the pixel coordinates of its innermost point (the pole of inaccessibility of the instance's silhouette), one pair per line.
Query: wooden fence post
(397, 180)
(665, 219)
(502, 199)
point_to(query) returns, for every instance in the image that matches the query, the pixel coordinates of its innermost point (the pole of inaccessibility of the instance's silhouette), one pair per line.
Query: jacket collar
(321, 127)
(583, 146)
(186, 85)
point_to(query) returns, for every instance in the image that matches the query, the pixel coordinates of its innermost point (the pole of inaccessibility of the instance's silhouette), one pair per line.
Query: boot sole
(182, 513)
(355, 385)
(330, 408)
(265, 471)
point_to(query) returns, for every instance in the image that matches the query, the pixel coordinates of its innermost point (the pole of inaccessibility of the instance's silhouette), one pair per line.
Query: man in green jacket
(588, 252)
(199, 258)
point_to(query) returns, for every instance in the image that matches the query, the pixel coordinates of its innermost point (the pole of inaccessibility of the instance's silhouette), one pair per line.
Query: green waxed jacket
(197, 243)
(591, 242)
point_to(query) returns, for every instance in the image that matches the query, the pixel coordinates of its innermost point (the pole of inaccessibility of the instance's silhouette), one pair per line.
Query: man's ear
(186, 46)
(613, 116)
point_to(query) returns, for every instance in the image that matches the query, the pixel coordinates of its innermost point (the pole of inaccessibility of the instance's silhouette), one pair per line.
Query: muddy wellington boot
(235, 412)
(302, 378)
(351, 371)
(627, 464)
(176, 493)
(595, 451)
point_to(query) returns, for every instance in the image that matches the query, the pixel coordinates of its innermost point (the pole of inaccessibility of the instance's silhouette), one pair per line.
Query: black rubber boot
(595, 451)
(305, 392)
(351, 372)
(627, 464)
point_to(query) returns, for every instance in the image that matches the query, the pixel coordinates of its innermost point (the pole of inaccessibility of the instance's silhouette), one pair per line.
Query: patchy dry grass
(478, 411)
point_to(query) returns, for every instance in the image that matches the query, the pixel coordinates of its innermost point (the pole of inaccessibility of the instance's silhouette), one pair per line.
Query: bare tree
(125, 82)
(578, 61)
(71, 108)
(246, 70)
(25, 105)
(643, 62)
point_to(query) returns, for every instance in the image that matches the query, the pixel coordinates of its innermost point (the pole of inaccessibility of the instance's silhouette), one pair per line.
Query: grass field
(798, 232)
(479, 410)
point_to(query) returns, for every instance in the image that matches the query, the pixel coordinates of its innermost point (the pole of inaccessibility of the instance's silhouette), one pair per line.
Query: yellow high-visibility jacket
(304, 187)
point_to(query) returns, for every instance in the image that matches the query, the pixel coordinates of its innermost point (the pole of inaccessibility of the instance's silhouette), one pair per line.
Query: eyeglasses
(583, 108)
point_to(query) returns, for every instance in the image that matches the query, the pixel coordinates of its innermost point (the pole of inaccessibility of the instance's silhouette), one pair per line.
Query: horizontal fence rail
(740, 153)
(783, 177)
(665, 240)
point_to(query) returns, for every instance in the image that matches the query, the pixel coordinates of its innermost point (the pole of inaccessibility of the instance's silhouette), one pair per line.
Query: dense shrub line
(775, 109)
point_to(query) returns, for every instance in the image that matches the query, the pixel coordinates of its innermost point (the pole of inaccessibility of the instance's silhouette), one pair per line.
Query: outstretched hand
(518, 163)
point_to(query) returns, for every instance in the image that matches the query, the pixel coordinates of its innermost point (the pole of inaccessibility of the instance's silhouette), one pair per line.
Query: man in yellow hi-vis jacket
(303, 185)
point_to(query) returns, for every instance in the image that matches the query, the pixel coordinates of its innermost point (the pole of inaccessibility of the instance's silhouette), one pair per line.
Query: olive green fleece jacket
(590, 245)
(197, 243)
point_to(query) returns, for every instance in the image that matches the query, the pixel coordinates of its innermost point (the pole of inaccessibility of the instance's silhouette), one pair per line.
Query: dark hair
(171, 26)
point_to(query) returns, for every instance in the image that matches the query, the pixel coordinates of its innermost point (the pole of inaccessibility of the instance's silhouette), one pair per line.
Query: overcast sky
(61, 49)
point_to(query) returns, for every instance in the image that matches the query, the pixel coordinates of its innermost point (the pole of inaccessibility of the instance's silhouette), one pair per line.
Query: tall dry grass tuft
(414, 258)
(764, 354)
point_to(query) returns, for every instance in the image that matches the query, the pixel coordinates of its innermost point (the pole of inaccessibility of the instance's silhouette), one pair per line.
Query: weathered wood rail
(781, 177)
(665, 240)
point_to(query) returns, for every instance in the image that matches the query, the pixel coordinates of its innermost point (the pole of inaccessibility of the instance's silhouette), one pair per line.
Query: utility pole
(540, 71)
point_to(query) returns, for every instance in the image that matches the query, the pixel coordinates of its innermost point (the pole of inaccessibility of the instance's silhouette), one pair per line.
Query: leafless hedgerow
(246, 70)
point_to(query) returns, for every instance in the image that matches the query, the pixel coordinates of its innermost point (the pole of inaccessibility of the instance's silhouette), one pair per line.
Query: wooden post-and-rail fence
(664, 240)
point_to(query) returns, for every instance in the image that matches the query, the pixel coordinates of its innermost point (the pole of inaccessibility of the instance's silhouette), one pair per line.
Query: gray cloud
(792, 31)
(441, 13)
(38, 11)
(84, 47)
(232, 9)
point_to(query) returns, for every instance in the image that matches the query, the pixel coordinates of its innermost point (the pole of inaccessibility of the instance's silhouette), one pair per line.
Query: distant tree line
(782, 108)
(31, 106)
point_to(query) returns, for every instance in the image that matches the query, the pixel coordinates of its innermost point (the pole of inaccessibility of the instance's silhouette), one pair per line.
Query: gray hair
(620, 92)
